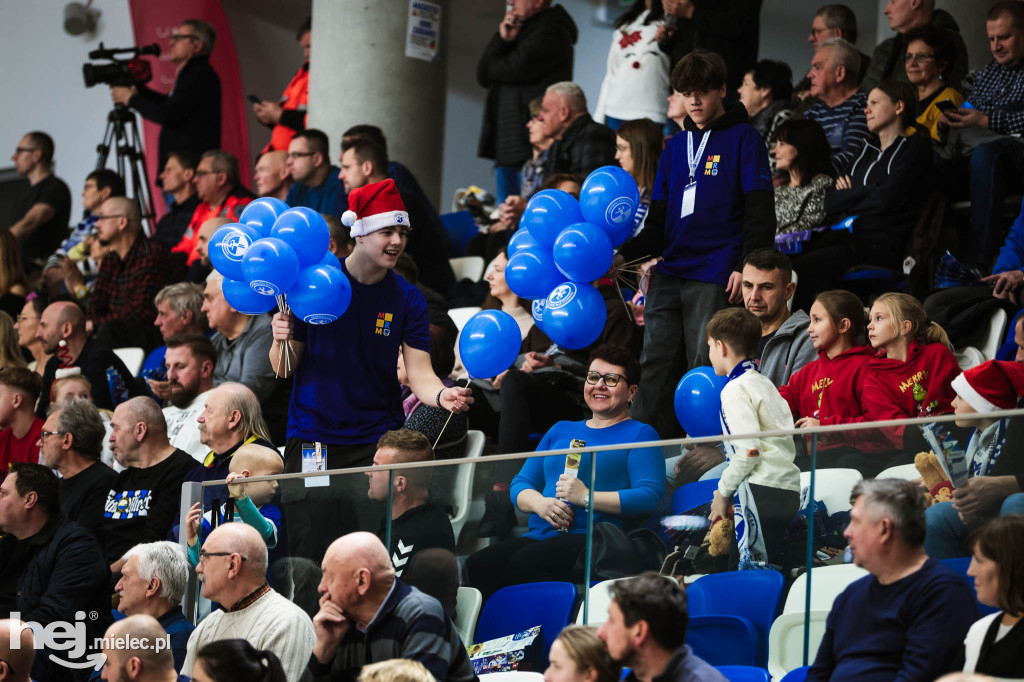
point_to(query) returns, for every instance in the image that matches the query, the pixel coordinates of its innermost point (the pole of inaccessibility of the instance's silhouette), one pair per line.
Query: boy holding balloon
(712, 204)
(346, 393)
(761, 474)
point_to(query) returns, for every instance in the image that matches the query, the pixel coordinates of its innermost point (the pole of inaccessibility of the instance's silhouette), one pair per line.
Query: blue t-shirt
(346, 385)
(638, 474)
(705, 245)
(322, 199)
(908, 630)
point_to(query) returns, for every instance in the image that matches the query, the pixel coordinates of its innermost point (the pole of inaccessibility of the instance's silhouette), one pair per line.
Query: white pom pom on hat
(348, 218)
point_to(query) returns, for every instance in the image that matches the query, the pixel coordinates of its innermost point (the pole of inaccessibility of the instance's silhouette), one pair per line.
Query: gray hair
(573, 95)
(181, 298)
(215, 276)
(902, 502)
(845, 55)
(226, 163)
(206, 33)
(841, 17)
(165, 561)
(241, 398)
(82, 420)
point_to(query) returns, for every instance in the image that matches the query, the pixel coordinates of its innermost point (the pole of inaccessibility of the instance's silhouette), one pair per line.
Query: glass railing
(639, 519)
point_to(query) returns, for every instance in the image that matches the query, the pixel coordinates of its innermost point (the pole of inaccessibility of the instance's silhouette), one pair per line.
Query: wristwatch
(586, 500)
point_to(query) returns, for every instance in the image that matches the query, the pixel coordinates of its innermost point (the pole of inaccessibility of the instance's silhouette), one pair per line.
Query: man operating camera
(189, 115)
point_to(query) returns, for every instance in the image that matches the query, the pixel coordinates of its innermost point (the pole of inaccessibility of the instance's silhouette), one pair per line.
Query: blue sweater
(910, 630)
(638, 473)
(1011, 256)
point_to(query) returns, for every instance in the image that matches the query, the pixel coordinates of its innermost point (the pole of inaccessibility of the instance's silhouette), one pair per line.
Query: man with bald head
(367, 615)
(272, 178)
(233, 570)
(121, 309)
(64, 321)
(143, 501)
(15, 664)
(138, 650)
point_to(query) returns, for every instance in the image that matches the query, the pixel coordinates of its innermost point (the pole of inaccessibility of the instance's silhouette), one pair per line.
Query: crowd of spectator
(334, 576)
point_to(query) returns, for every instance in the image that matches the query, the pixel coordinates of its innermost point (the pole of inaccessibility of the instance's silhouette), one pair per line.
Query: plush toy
(721, 536)
(933, 477)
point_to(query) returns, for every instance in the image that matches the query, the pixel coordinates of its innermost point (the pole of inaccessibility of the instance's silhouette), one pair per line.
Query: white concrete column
(359, 73)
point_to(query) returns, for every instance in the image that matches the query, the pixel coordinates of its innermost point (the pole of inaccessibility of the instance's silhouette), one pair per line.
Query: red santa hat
(992, 385)
(373, 207)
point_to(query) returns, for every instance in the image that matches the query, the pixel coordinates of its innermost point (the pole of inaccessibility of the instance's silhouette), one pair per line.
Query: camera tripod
(122, 136)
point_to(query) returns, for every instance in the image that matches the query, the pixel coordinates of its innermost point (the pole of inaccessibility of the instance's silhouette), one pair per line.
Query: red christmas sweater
(830, 390)
(920, 387)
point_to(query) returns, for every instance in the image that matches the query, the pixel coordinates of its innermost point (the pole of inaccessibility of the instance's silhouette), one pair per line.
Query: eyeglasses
(44, 434)
(610, 380)
(23, 150)
(99, 217)
(181, 36)
(204, 555)
(920, 57)
(296, 155)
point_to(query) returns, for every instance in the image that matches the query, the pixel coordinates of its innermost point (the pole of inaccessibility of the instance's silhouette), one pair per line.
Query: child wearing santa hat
(989, 387)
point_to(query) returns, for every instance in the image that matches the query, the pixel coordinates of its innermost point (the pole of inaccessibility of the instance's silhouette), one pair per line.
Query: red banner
(154, 22)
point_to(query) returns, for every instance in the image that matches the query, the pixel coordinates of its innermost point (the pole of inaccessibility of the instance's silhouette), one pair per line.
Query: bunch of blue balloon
(698, 402)
(277, 257)
(563, 245)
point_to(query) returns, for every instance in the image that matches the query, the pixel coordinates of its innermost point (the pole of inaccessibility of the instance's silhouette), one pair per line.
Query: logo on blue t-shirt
(620, 211)
(561, 295)
(383, 324)
(711, 167)
(127, 504)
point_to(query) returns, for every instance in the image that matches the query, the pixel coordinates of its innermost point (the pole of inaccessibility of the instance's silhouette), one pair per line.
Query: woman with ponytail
(235, 660)
(913, 370)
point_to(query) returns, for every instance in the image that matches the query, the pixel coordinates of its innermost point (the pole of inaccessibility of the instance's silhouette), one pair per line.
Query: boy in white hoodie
(761, 475)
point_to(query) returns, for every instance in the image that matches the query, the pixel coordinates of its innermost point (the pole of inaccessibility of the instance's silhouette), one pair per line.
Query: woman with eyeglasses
(556, 494)
(930, 53)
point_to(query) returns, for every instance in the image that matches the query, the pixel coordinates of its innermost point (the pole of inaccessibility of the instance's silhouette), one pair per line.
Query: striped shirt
(999, 93)
(409, 624)
(844, 126)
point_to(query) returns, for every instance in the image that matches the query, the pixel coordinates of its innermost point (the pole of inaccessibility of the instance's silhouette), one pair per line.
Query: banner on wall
(154, 22)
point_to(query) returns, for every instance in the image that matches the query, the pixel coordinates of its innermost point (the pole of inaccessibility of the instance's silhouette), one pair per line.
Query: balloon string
(450, 413)
(284, 349)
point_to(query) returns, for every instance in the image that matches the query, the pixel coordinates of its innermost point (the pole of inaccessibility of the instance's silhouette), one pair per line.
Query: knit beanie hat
(373, 207)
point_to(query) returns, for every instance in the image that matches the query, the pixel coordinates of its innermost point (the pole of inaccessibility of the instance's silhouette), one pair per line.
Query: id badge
(689, 195)
(314, 459)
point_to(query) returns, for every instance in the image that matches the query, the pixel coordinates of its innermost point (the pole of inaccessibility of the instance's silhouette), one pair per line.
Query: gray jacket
(789, 350)
(246, 359)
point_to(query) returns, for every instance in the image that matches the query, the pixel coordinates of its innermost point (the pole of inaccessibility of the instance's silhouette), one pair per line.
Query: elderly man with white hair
(154, 576)
(840, 109)
(581, 144)
(233, 570)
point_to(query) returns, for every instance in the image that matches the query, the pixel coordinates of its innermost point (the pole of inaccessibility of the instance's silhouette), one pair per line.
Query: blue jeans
(508, 181)
(676, 312)
(947, 535)
(996, 168)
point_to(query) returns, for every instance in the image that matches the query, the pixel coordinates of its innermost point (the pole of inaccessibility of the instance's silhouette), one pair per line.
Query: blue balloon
(698, 402)
(270, 266)
(532, 274)
(489, 343)
(306, 232)
(574, 315)
(320, 295)
(609, 199)
(548, 212)
(583, 252)
(228, 245)
(243, 299)
(261, 214)
(522, 239)
(330, 259)
(537, 310)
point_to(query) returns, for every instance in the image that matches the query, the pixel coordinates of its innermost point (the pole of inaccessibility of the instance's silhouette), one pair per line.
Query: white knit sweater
(637, 81)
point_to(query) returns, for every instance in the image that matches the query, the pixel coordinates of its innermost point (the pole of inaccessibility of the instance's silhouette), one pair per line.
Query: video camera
(127, 71)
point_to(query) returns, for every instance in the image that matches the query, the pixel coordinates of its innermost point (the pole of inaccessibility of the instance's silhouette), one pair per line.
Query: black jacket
(189, 116)
(887, 193)
(65, 574)
(585, 146)
(515, 73)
